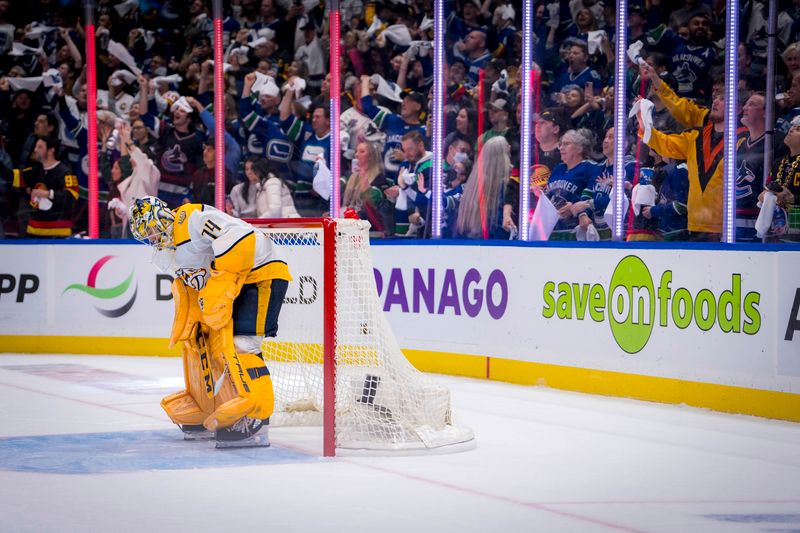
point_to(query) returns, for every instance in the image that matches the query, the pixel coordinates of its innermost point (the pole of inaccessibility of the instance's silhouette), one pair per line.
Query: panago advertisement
(683, 316)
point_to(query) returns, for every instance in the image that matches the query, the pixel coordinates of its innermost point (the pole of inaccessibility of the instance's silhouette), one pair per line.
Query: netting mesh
(381, 400)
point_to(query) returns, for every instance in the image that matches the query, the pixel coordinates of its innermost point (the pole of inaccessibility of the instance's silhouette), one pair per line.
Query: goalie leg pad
(247, 386)
(227, 414)
(192, 405)
(181, 408)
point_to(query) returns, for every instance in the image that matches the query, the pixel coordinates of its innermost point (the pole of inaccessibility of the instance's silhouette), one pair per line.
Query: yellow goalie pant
(222, 386)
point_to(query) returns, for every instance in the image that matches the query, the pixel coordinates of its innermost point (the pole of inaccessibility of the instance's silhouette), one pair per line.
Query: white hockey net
(381, 401)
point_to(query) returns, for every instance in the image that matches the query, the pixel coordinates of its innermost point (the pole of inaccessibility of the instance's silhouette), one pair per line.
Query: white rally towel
(122, 77)
(225, 66)
(374, 27)
(635, 52)
(52, 78)
(544, 219)
(126, 6)
(297, 85)
(766, 214)
(182, 103)
(172, 78)
(387, 89)
(120, 52)
(647, 116)
(19, 49)
(266, 33)
(265, 85)
(595, 40)
(27, 84)
(426, 23)
(398, 34)
(148, 36)
(507, 12)
(38, 31)
(240, 53)
(589, 234)
(322, 179)
(643, 195)
(305, 101)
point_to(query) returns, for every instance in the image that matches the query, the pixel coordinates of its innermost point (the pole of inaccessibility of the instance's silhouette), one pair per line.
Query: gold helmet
(151, 222)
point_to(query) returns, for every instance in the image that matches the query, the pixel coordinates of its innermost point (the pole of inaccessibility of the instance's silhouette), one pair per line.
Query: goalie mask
(151, 222)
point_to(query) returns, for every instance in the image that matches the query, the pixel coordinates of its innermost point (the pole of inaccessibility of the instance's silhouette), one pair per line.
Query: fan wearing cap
(311, 54)
(180, 145)
(637, 20)
(412, 112)
(548, 128)
(260, 116)
(499, 116)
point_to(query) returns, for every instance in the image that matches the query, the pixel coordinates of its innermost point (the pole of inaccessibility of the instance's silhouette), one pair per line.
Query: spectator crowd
(155, 119)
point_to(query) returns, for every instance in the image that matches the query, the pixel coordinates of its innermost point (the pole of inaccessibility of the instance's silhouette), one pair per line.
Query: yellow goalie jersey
(207, 240)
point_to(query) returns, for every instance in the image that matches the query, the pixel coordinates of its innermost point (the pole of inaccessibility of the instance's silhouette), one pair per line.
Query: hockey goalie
(228, 289)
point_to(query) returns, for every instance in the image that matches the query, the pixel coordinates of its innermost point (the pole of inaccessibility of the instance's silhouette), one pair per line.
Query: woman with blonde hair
(480, 214)
(366, 189)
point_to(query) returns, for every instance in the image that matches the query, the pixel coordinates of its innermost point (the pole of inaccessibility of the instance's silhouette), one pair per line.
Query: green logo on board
(634, 306)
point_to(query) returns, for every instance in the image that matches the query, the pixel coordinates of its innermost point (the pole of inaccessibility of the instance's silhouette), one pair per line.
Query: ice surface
(84, 446)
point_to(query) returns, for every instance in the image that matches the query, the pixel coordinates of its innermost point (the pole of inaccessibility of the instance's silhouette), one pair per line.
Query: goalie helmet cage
(335, 361)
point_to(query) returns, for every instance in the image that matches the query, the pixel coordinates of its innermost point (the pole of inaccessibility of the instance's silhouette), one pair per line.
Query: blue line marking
(131, 451)
(761, 518)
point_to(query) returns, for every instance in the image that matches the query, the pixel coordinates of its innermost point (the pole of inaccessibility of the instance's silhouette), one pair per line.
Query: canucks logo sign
(113, 296)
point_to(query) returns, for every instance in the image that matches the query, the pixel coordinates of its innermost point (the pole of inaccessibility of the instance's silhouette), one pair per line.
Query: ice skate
(196, 432)
(246, 433)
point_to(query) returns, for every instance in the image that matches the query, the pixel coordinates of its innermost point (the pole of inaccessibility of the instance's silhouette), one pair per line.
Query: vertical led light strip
(219, 109)
(437, 135)
(525, 127)
(620, 116)
(335, 89)
(731, 92)
(769, 137)
(91, 126)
